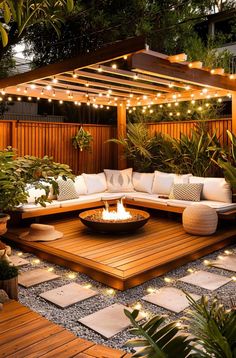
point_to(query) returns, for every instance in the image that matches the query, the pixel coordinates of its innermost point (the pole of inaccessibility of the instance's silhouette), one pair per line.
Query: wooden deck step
(124, 261)
(25, 334)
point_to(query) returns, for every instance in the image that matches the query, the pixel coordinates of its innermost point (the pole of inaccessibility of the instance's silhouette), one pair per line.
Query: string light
(170, 85)
(29, 98)
(49, 100)
(60, 101)
(3, 92)
(74, 75)
(19, 99)
(87, 84)
(25, 90)
(219, 100)
(9, 99)
(135, 77)
(54, 80)
(1, 99)
(169, 105)
(18, 89)
(125, 57)
(100, 69)
(48, 87)
(32, 86)
(114, 66)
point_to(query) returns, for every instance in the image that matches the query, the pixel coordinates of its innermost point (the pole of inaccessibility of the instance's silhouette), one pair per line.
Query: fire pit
(114, 219)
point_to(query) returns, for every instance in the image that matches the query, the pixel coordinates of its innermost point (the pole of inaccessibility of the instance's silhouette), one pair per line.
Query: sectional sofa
(162, 191)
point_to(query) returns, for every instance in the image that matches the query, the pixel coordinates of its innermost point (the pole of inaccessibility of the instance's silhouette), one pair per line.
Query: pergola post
(234, 112)
(121, 132)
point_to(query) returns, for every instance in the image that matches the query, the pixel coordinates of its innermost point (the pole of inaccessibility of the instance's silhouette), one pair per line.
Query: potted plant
(82, 140)
(9, 279)
(18, 173)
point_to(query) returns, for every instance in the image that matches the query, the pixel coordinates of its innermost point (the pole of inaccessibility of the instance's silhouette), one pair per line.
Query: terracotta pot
(11, 287)
(3, 223)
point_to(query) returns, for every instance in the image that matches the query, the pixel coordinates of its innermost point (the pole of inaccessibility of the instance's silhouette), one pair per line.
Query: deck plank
(124, 261)
(34, 336)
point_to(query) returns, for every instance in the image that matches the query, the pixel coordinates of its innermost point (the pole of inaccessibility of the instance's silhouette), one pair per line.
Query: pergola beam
(151, 65)
(107, 53)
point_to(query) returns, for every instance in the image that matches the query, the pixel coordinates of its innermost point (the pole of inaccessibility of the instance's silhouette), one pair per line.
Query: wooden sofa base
(17, 216)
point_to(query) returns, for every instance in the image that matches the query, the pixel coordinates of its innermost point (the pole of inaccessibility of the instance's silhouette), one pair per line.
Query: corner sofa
(163, 191)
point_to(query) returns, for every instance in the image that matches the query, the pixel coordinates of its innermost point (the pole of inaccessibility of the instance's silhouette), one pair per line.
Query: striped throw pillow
(188, 192)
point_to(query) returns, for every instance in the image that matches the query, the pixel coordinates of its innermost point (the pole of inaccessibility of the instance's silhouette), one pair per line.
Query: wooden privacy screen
(54, 139)
(174, 129)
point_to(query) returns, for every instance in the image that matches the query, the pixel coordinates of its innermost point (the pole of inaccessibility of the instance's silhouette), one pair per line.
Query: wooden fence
(174, 129)
(54, 139)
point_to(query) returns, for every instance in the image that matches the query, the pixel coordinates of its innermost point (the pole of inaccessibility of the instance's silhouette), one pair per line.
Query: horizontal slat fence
(174, 129)
(54, 139)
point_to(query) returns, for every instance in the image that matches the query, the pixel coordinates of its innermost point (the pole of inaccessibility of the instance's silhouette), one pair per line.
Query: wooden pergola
(126, 74)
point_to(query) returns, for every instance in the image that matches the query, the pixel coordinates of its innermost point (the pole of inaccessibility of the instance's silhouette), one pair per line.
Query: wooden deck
(124, 261)
(25, 334)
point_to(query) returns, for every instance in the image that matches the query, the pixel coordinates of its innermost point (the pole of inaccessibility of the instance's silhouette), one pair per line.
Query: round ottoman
(200, 220)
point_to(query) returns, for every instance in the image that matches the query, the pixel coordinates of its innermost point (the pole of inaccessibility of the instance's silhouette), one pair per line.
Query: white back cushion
(215, 189)
(163, 182)
(95, 183)
(80, 185)
(143, 182)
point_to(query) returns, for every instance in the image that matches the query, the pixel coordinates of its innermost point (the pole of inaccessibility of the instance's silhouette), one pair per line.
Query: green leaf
(70, 5)
(4, 35)
(7, 13)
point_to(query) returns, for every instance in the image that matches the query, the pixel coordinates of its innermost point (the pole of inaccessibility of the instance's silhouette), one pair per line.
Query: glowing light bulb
(48, 87)
(114, 66)
(138, 306)
(151, 290)
(71, 275)
(167, 279)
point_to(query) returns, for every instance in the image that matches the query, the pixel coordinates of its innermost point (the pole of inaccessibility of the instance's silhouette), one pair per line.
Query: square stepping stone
(108, 321)
(34, 277)
(170, 298)
(18, 261)
(226, 262)
(205, 279)
(68, 295)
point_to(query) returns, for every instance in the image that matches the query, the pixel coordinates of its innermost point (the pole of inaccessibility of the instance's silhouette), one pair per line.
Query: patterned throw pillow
(188, 192)
(66, 190)
(119, 180)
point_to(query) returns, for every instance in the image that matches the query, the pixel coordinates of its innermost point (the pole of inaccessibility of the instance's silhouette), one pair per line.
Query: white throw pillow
(162, 183)
(34, 194)
(80, 185)
(215, 189)
(119, 180)
(143, 181)
(95, 183)
(182, 178)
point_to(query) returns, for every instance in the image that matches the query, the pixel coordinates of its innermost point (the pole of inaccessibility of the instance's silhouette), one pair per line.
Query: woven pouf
(200, 220)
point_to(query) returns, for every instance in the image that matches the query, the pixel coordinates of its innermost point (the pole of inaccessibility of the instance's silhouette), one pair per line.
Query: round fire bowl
(93, 220)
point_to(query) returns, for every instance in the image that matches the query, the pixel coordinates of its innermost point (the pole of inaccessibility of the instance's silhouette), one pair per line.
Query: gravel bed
(69, 317)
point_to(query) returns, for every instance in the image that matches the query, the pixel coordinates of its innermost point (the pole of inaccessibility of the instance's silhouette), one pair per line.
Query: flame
(115, 215)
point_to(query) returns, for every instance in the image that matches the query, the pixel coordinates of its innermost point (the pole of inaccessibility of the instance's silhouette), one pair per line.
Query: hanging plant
(82, 140)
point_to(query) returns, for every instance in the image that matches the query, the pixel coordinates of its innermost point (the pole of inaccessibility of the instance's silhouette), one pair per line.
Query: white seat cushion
(163, 182)
(145, 197)
(83, 199)
(32, 207)
(215, 189)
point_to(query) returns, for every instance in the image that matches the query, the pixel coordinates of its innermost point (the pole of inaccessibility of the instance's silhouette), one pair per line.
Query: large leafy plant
(18, 173)
(227, 161)
(214, 327)
(157, 340)
(18, 16)
(7, 271)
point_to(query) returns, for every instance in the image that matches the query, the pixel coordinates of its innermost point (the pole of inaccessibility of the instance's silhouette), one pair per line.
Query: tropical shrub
(157, 340)
(227, 160)
(18, 172)
(212, 325)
